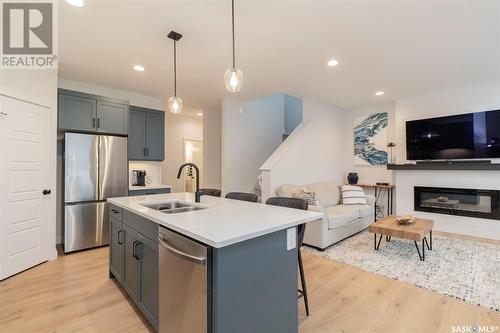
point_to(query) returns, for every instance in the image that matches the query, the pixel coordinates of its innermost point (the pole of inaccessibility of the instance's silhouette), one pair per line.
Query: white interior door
(193, 153)
(24, 175)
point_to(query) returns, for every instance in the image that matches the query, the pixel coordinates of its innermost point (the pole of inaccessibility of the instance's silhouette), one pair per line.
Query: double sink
(173, 207)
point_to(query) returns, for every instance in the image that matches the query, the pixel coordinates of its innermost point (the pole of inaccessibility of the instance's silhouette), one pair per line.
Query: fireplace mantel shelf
(445, 166)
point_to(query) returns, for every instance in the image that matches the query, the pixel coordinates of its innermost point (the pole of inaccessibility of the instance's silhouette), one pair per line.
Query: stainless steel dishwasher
(183, 284)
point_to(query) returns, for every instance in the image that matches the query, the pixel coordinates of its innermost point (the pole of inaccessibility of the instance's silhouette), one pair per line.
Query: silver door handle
(198, 260)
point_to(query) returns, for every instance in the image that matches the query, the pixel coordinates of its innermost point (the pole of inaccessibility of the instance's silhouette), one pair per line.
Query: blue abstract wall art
(370, 139)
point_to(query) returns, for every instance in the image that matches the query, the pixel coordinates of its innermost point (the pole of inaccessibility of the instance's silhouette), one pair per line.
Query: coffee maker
(138, 177)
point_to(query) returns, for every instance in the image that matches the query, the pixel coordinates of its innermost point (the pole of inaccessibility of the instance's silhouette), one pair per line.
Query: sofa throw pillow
(310, 197)
(326, 195)
(353, 195)
(288, 190)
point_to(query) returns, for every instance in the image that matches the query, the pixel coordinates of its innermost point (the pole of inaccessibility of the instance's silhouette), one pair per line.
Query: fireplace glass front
(455, 201)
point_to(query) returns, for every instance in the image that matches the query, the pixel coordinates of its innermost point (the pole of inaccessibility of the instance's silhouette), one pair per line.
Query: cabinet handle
(144, 153)
(115, 211)
(136, 256)
(147, 151)
(93, 122)
(133, 249)
(98, 122)
(179, 253)
(120, 232)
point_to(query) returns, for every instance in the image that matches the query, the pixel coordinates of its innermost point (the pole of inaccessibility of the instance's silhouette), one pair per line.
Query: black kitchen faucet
(197, 193)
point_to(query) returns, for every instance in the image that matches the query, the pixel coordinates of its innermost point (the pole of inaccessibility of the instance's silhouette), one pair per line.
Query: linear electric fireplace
(458, 201)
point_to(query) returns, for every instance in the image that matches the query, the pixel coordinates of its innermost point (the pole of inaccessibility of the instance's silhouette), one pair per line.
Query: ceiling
(400, 47)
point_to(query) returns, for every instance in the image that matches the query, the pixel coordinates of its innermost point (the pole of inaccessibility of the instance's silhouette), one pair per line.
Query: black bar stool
(301, 229)
(250, 197)
(210, 191)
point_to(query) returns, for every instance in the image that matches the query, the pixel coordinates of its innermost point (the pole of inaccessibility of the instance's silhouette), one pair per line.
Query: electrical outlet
(291, 239)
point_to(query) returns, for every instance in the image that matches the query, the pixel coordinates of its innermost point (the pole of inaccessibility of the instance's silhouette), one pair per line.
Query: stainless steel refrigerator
(95, 169)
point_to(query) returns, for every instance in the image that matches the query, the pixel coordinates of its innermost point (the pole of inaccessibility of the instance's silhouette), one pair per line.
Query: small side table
(378, 189)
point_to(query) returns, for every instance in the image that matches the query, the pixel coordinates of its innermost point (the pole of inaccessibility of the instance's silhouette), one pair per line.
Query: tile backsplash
(153, 171)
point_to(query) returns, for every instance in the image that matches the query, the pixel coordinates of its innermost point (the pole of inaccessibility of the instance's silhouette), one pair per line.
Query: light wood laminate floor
(74, 294)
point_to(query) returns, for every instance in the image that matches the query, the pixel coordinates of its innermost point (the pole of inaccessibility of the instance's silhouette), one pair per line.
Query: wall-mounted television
(464, 136)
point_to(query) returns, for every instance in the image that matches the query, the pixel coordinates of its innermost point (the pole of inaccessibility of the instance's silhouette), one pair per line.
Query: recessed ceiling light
(139, 68)
(332, 62)
(77, 3)
(199, 114)
(379, 93)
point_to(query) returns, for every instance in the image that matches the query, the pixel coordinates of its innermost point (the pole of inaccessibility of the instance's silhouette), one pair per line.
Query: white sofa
(339, 222)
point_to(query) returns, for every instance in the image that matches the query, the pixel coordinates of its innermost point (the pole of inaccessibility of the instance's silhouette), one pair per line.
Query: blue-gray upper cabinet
(112, 117)
(155, 136)
(146, 134)
(91, 113)
(137, 135)
(77, 113)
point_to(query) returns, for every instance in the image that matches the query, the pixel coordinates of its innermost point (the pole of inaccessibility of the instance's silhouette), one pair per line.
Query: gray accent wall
(293, 113)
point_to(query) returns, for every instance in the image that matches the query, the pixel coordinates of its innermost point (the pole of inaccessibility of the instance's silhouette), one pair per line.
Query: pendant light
(233, 76)
(175, 102)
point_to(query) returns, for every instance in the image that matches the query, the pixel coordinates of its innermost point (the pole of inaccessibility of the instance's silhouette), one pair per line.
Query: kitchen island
(220, 265)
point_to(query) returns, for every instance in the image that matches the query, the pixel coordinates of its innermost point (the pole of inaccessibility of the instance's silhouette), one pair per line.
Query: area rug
(464, 269)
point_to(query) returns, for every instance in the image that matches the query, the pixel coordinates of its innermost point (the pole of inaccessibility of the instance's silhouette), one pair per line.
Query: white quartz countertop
(148, 187)
(223, 222)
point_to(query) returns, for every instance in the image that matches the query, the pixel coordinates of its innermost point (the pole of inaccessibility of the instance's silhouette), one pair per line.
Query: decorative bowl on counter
(405, 219)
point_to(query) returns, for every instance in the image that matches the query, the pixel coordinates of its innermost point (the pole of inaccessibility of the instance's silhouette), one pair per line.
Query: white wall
(133, 98)
(212, 146)
(178, 128)
(251, 131)
(314, 152)
(369, 174)
(441, 103)
(466, 99)
(40, 87)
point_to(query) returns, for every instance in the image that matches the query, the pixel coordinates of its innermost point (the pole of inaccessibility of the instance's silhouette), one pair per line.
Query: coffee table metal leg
(387, 238)
(418, 250)
(430, 233)
(377, 245)
(423, 249)
(427, 244)
(375, 241)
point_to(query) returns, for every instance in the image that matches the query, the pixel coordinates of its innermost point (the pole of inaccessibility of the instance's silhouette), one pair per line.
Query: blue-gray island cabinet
(218, 266)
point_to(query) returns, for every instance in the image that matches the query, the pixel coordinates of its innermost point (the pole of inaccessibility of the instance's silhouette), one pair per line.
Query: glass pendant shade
(234, 79)
(175, 104)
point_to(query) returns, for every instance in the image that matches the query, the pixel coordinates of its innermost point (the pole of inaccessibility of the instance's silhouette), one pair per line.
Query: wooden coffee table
(389, 227)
